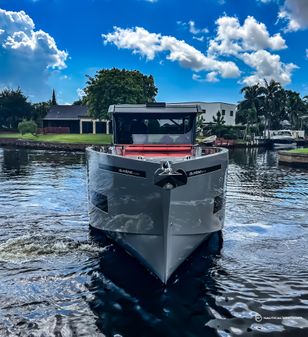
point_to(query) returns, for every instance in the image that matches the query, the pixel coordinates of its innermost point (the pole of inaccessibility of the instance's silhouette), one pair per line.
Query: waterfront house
(75, 119)
(210, 110)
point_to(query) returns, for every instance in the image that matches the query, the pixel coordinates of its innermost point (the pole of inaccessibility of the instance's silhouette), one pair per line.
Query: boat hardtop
(154, 130)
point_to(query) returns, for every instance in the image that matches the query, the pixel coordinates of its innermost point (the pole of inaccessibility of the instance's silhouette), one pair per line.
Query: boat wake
(29, 247)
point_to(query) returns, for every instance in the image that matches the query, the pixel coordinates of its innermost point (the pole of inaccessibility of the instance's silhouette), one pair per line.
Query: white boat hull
(292, 145)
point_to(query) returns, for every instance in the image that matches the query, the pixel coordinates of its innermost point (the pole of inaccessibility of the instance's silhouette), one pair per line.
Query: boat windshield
(284, 133)
(154, 128)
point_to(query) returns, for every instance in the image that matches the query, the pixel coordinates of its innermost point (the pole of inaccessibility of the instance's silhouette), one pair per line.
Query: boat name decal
(205, 170)
(122, 170)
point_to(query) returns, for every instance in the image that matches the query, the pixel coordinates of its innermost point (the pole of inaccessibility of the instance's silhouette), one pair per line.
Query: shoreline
(58, 146)
(37, 145)
(295, 159)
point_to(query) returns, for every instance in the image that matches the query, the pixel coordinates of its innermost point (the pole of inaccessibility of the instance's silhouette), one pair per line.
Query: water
(58, 279)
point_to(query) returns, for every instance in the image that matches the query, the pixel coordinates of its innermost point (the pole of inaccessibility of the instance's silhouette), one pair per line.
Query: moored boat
(154, 192)
(210, 141)
(282, 139)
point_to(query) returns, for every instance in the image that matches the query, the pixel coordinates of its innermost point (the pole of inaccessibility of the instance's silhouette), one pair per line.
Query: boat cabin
(154, 128)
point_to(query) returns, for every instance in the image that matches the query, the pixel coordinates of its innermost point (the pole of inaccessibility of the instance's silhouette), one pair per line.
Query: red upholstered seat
(161, 150)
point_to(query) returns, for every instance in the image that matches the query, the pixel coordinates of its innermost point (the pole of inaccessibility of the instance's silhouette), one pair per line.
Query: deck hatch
(122, 170)
(100, 201)
(205, 170)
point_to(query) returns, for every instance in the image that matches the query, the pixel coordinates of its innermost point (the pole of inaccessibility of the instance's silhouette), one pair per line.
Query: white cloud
(307, 53)
(194, 30)
(295, 12)
(248, 43)
(212, 76)
(191, 27)
(150, 44)
(293, 24)
(27, 55)
(201, 38)
(233, 38)
(138, 39)
(197, 78)
(80, 93)
(267, 66)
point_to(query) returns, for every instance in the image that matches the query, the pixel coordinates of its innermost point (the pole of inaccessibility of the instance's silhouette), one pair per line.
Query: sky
(197, 50)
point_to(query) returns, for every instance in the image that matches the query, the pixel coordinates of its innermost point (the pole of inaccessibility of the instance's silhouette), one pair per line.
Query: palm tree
(295, 107)
(200, 124)
(274, 99)
(252, 97)
(220, 121)
(251, 115)
(250, 107)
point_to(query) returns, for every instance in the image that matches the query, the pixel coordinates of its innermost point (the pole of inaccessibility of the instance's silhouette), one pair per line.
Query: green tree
(274, 104)
(27, 127)
(295, 108)
(251, 118)
(79, 102)
(53, 98)
(14, 107)
(115, 86)
(200, 123)
(219, 119)
(252, 102)
(39, 111)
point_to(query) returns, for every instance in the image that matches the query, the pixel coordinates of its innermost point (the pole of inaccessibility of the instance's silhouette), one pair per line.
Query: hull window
(100, 201)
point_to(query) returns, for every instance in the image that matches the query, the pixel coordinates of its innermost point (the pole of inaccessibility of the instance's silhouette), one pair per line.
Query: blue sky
(203, 50)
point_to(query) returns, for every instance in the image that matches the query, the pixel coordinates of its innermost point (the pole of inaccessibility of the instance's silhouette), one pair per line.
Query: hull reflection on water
(155, 310)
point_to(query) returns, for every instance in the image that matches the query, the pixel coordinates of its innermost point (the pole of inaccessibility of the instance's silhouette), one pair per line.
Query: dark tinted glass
(154, 128)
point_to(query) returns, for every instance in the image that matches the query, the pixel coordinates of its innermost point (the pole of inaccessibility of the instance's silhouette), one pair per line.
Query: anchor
(168, 179)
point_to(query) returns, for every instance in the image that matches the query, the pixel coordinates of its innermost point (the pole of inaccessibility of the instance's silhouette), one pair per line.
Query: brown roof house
(75, 118)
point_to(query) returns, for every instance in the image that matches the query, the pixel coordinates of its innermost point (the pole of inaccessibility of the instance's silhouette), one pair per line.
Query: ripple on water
(57, 280)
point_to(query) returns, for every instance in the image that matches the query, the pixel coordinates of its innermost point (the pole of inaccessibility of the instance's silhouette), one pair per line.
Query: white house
(210, 109)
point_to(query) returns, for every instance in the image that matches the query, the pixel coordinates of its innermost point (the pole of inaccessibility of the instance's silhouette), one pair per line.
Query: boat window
(154, 128)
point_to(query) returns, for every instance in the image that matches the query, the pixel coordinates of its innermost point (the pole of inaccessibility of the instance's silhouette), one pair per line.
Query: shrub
(225, 131)
(27, 127)
(230, 134)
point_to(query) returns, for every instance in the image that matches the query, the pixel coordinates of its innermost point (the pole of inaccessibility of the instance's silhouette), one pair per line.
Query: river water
(59, 279)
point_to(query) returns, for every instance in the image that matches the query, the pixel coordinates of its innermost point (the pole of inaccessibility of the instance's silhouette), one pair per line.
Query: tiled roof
(72, 112)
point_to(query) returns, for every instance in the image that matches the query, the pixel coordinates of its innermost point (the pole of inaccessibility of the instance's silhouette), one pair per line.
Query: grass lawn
(240, 141)
(305, 150)
(63, 138)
